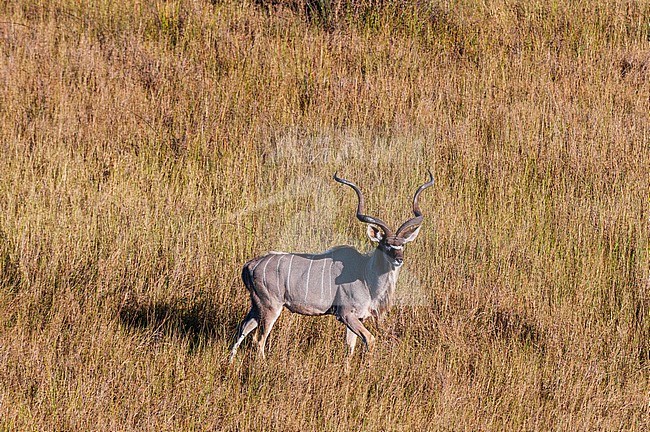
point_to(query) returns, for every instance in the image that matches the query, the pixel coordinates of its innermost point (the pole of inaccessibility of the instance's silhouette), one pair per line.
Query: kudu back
(341, 281)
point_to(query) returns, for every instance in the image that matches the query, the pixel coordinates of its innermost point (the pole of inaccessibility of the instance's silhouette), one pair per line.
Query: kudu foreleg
(350, 340)
(358, 329)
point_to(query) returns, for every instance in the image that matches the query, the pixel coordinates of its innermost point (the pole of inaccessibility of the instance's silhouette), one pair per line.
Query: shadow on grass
(509, 325)
(199, 323)
(495, 322)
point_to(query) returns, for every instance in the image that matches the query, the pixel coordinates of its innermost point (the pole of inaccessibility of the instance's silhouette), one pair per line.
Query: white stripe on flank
(255, 266)
(268, 260)
(331, 264)
(322, 278)
(289, 275)
(277, 269)
(311, 261)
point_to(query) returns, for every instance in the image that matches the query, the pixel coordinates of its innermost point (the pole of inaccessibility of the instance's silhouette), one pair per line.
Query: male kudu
(340, 281)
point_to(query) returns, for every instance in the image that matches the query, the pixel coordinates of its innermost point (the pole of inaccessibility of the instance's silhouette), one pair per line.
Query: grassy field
(148, 149)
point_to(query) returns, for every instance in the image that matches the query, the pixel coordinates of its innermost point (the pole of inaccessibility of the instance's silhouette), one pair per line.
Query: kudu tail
(250, 322)
(247, 274)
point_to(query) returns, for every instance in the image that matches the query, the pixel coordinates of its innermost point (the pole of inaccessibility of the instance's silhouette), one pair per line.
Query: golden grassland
(148, 149)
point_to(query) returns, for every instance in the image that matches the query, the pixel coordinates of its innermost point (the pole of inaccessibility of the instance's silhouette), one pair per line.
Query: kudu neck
(381, 264)
(381, 279)
(380, 273)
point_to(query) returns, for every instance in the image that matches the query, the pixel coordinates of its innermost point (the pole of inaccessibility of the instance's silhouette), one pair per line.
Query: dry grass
(149, 149)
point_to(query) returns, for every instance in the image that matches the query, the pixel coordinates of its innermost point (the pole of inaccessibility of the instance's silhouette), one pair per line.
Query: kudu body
(341, 281)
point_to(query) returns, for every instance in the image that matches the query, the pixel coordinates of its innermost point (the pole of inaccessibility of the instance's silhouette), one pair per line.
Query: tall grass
(150, 148)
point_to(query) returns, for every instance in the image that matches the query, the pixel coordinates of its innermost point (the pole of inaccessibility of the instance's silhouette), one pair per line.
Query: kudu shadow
(509, 325)
(198, 322)
(496, 323)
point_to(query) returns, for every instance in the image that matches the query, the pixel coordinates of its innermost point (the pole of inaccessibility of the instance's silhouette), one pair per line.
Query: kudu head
(389, 242)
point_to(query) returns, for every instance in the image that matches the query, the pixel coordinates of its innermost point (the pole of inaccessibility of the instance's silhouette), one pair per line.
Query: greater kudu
(341, 281)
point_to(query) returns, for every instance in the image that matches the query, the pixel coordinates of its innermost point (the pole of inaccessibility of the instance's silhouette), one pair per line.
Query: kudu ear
(375, 233)
(410, 233)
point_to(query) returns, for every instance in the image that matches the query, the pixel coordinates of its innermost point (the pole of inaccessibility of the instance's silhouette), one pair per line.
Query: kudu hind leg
(267, 318)
(249, 324)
